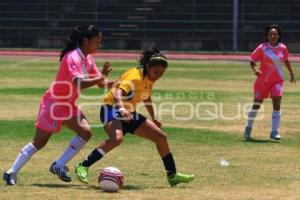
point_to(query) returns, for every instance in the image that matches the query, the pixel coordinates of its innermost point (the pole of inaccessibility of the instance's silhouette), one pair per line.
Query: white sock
(251, 116)
(74, 147)
(25, 154)
(276, 116)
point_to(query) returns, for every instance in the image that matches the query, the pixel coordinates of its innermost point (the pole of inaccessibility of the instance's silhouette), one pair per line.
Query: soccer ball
(111, 179)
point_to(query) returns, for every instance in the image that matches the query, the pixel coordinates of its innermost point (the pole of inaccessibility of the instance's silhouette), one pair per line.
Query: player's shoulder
(282, 46)
(133, 74)
(71, 58)
(260, 47)
(263, 45)
(90, 58)
(73, 54)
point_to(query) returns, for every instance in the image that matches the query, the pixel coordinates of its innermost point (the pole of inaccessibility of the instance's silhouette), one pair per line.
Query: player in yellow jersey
(119, 116)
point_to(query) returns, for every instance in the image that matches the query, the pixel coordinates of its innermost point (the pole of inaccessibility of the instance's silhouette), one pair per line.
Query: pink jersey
(74, 64)
(271, 59)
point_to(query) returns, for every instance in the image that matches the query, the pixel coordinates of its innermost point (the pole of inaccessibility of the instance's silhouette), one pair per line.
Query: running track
(134, 55)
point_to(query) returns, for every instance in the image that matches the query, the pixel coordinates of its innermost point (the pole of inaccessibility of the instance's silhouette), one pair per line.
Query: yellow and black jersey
(136, 86)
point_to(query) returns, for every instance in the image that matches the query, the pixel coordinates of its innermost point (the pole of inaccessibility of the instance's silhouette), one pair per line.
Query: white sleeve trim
(250, 59)
(77, 77)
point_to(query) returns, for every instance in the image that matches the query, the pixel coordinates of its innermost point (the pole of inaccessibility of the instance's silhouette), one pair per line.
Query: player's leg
(151, 132)
(114, 130)
(276, 117)
(39, 141)
(251, 117)
(260, 91)
(79, 125)
(276, 94)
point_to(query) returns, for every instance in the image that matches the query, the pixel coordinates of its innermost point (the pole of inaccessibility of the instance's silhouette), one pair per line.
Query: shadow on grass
(126, 187)
(169, 187)
(85, 187)
(260, 141)
(133, 187)
(54, 185)
(136, 187)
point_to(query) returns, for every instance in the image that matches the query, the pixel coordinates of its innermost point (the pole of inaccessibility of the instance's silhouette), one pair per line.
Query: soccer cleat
(60, 171)
(275, 135)
(180, 178)
(82, 173)
(247, 132)
(10, 178)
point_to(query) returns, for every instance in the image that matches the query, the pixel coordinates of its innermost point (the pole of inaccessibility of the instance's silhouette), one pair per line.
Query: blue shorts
(109, 113)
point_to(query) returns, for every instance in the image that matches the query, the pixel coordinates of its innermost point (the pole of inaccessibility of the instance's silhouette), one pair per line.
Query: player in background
(119, 116)
(269, 82)
(77, 71)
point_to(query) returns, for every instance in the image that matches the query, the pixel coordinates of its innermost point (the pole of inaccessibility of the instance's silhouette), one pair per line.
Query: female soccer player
(269, 82)
(77, 71)
(119, 116)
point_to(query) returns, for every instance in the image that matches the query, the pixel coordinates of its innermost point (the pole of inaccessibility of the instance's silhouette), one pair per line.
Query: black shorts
(109, 113)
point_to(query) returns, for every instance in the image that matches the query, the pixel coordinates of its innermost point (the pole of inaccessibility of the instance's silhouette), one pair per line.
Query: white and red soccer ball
(111, 179)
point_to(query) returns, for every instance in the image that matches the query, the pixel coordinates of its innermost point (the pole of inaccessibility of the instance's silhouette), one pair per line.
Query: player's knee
(117, 140)
(114, 142)
(39, 145)
(162, 138)
(86, 133)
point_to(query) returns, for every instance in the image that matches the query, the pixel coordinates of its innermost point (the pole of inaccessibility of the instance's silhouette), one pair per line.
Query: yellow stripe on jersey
(136, 87)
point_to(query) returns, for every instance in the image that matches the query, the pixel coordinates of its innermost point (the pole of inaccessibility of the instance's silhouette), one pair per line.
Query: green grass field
(211, 98)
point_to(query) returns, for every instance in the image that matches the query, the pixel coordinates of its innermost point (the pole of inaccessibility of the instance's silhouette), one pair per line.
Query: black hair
(76, 36)
(275, 26)
(152, 57)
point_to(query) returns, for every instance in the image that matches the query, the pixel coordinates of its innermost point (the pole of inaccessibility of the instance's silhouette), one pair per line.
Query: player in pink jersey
(269, 82)
(77, 71)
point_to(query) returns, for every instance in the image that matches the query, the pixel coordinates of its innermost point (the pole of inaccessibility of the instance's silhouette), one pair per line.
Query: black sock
(169, 164)
(92, 158)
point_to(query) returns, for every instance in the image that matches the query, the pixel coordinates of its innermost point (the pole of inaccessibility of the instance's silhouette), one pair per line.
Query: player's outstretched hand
(106, 68)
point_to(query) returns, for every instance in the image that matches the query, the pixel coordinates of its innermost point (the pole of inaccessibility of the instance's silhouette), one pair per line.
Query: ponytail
(152, 57)
(76, 36)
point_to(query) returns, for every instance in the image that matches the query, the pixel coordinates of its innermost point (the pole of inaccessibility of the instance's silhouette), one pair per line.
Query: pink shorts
(264, 90)
(52, 114)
